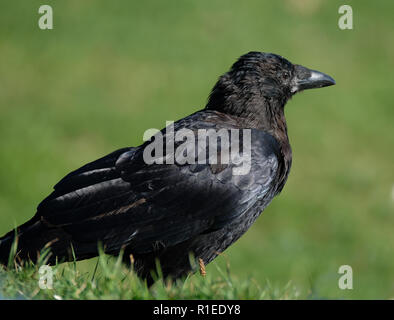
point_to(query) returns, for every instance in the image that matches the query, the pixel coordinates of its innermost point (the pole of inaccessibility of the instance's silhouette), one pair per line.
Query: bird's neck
(254, 110)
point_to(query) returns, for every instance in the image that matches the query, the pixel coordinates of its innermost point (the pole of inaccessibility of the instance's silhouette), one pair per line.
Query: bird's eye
(285, 75)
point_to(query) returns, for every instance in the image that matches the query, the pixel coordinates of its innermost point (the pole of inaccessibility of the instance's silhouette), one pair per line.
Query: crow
(174, 212)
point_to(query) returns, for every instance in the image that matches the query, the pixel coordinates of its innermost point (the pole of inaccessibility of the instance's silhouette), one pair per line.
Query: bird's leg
(131, 260)
(202, 267)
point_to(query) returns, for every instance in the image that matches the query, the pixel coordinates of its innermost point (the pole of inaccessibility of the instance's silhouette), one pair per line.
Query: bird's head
(257, 80)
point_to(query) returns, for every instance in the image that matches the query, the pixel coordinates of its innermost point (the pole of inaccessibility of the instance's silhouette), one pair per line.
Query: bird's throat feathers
(259, 104)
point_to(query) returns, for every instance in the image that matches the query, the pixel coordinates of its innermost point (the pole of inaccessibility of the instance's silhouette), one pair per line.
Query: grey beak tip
(330, 81)
(320, 79)
(311, 79)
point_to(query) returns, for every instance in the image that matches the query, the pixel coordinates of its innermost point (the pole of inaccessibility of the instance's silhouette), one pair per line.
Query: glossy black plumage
(167, 211)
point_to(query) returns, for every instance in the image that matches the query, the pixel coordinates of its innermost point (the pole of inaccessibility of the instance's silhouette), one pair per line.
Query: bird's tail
(6, 246)
(37, 241)
(28, 241)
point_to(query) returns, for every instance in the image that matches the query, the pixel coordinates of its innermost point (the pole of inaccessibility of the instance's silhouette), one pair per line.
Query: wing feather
(120, 200)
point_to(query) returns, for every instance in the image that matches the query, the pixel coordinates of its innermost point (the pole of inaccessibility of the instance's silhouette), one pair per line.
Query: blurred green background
(110, 70)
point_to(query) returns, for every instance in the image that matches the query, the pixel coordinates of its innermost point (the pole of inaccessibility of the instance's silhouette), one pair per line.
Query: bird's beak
(305, 78)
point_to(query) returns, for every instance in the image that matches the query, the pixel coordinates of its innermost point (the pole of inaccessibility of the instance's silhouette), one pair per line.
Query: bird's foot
(202, 267)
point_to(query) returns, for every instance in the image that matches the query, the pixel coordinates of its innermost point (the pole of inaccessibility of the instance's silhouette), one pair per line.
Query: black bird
(169, 211)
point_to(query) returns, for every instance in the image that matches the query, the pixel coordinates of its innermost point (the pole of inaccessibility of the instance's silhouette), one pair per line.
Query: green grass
(109, 71)
(112, 280)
